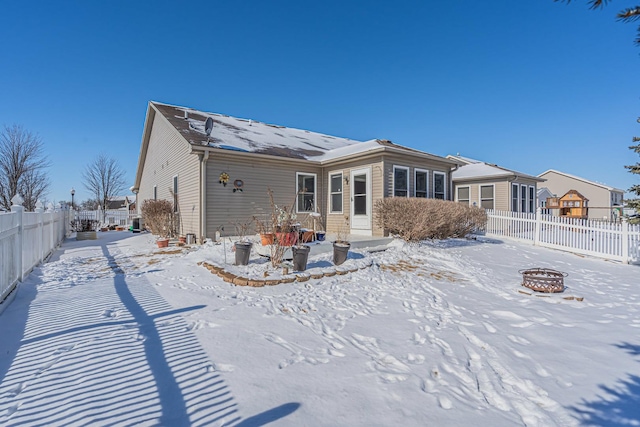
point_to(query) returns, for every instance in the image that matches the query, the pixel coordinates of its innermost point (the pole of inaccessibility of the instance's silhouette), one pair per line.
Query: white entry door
(361, 201)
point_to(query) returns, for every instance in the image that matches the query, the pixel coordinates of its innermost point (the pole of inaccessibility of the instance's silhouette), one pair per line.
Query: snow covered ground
(113, 332)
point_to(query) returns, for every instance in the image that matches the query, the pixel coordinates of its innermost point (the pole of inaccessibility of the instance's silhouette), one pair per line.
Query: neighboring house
(126, 203)
(605, 202)
(544, 194)
(494, 187)
(571, 205)
(217, 169)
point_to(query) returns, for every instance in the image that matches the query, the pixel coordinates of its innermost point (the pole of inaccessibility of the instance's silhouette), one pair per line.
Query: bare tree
(104, 178)
(22, 167)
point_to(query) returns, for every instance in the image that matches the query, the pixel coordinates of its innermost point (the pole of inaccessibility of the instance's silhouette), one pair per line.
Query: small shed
(571, 205)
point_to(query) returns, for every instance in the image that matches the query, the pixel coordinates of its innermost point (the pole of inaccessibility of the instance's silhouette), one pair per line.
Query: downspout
(452, 195)
(203, 195)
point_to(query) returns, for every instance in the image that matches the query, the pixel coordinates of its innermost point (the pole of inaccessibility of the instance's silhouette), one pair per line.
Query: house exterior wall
(502, 191)
(226, 208)
(168, 155)
(337, 221)
(413, 163)
(599, 197)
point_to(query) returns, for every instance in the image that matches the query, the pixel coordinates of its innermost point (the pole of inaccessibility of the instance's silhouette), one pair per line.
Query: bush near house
(415, 219)
(159, 217)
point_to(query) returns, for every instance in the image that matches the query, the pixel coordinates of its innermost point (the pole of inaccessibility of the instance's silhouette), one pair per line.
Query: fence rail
(618, 241)
(26, 239)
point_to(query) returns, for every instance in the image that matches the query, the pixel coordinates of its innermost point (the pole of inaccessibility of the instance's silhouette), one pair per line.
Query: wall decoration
(237, 185)
(224, 178)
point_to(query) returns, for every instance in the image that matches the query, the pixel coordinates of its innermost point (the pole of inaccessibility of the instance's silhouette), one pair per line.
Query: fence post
(625, 241)
(53, 237)
(40, 212)
(19, 210)
(536, 233)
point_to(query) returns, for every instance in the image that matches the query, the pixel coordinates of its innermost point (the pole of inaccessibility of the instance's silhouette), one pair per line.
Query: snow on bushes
(414, 219)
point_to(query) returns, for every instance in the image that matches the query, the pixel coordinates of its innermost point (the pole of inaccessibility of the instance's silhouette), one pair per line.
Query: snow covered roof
(247, 135)
(617, 190)
(465, 160)
(486, 170)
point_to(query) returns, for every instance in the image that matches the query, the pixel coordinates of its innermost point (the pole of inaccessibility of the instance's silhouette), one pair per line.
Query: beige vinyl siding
(413, 162)
(227, 209)
(336, 221)
(599, 197)
(502, 190)
(168, 155)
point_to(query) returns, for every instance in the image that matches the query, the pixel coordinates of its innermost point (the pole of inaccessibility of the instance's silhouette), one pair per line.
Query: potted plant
(264, 230)
(85, 228)
(283, 224)
(159, 217)
(243, 246)
(341, 246)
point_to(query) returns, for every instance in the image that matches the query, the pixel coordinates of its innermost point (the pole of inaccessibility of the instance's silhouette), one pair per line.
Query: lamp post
(73, 193)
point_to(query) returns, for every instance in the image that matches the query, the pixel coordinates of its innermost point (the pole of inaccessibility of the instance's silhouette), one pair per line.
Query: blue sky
(529, 85)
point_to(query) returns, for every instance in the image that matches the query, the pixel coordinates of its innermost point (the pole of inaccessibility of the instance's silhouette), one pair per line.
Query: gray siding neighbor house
(605, 202)
(218, 170)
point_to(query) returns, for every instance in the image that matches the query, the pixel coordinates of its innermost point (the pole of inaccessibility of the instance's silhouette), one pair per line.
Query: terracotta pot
(286, 239)
(162, 243)
(182, 239)
(266, 239)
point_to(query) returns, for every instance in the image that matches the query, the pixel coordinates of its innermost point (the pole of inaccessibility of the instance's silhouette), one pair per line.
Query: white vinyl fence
(115, 217)
(617, 241)
(27, 239)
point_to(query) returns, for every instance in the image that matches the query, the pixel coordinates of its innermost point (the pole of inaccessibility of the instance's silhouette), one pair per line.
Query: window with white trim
(523, 198)
(487, 196)
(420, 181)
(532, 198)
(335, 192)
(463, 195)
(440, 185)
(514, 197)
(306, 201)
(400, 181)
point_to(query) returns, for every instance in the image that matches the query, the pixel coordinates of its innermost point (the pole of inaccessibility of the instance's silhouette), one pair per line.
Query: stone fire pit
(543, 279)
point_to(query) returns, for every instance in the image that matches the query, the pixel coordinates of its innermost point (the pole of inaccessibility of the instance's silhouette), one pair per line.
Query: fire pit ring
(543, 279)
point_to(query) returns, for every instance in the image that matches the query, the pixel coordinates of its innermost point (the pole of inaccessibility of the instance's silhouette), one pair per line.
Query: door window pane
(360, 195)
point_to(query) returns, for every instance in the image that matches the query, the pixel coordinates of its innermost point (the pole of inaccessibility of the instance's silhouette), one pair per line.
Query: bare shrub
(158, 215)
(415, 219)
(283, 221)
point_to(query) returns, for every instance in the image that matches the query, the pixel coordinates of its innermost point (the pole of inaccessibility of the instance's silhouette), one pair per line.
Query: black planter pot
(300, 257)
(243, 251)
(340, 252)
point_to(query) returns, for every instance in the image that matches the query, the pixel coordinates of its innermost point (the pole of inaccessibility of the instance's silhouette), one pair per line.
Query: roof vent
(208, 126)
(186, 114)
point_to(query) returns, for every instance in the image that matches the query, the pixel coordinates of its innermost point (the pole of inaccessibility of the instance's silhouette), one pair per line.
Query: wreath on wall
(224, 178)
